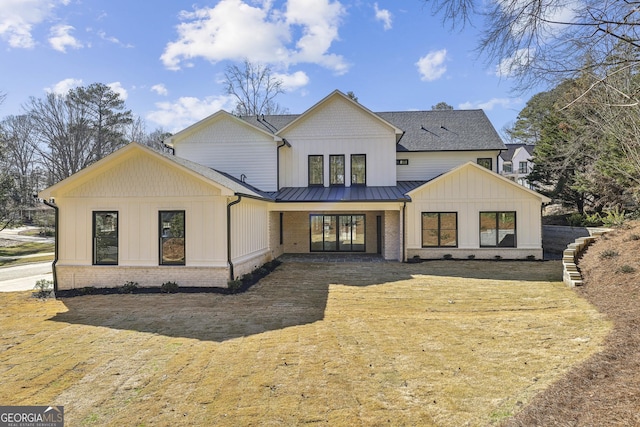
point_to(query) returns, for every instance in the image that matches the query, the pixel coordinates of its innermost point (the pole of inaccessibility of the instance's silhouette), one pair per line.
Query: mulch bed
(605, 389)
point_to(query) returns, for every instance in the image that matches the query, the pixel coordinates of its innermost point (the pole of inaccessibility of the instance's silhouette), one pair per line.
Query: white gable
(338, 126)
(230, 145)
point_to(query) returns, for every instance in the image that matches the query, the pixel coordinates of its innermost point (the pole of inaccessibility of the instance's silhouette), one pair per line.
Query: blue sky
(167, 58)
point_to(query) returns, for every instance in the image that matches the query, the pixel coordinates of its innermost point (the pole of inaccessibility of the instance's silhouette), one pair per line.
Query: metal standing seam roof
(346, 194)
(434, 130)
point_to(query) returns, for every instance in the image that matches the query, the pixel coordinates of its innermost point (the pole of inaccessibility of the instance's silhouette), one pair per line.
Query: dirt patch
(605, 389)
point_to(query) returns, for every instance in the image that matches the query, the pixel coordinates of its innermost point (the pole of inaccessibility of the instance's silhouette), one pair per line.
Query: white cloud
(384, 16)
(510, 66)
(431, 67)
(61, 38)
(112, 39)
(235, 30)
(491, 104)
(293, 81)
(64, 86)
(117, 88)
(18, 17)
(160, 89)
(175, 116)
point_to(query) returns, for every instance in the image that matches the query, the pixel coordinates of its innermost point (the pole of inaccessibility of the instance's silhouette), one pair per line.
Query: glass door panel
(330, 231)
(358, 233)
(345, 232)
(317, 233)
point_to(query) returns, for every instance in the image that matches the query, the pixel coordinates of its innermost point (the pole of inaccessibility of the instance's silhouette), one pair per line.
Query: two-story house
(516, 162)
(339, 178)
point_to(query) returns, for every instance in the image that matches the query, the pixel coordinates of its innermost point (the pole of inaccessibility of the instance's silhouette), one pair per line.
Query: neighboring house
(239, 192)
(516, 163)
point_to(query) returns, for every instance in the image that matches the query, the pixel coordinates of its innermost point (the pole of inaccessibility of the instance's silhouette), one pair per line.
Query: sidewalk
(24, 277)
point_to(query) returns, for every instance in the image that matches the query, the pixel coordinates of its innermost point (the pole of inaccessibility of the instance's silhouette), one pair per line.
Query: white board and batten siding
(138, 188)
(468, 191)
(339, 127)
(249, 235)
(428, 165)
(230, 146)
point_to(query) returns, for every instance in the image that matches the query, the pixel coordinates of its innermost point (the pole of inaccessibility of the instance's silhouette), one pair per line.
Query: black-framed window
(402, 162)
(172, 237)
(486, 162)
(316, 170)
(105, 237)
(498, 229)
(337, 233)
(507, 167)
(439, 229)
(523, 167)
(336, 169)
(358, 169)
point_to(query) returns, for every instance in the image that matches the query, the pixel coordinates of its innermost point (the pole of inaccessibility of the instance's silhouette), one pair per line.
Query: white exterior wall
(249, 235)
(235, 148)
(428, 165)
(138, 188)
(339, 127)
(468, 192)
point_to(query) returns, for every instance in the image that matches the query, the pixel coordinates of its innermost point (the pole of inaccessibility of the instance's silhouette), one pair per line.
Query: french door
(337, 233)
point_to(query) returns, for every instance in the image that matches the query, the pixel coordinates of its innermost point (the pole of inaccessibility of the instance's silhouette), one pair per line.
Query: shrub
(531, 257)
(626, 269)
(88, 290)
(128, 287)
(608, 254)
(448, 256)
(575, 219)
(169, 287)
(234, 285)
(261, 272)
(634, 237)
(471, 256)
(614, 218)
(44, 288)
(497, 257)
(592, 220)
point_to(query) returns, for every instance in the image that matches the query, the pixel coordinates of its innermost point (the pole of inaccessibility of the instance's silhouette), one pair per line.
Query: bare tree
(7, 214)
(22, 158)
(77, 129)
(548, 39)
(255, 88)
(137, 131)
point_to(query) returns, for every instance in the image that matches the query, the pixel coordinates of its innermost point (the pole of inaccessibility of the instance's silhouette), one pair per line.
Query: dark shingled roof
(445, 130)
(435, 130)
(511, 150)
(346, 194)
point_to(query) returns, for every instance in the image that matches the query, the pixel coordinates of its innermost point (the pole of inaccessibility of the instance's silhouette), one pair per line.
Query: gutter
(231, 276)
(55, 257)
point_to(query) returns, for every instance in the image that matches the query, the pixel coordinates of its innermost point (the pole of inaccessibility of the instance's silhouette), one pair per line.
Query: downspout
(231, 277)
(404, 231)
(278, 164)
(55, 236)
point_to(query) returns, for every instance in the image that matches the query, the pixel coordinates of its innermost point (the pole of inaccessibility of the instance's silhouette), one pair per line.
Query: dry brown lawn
(447, 343)
(604, 390)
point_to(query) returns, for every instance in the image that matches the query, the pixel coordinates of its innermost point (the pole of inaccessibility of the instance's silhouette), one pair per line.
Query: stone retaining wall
(571, 275)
